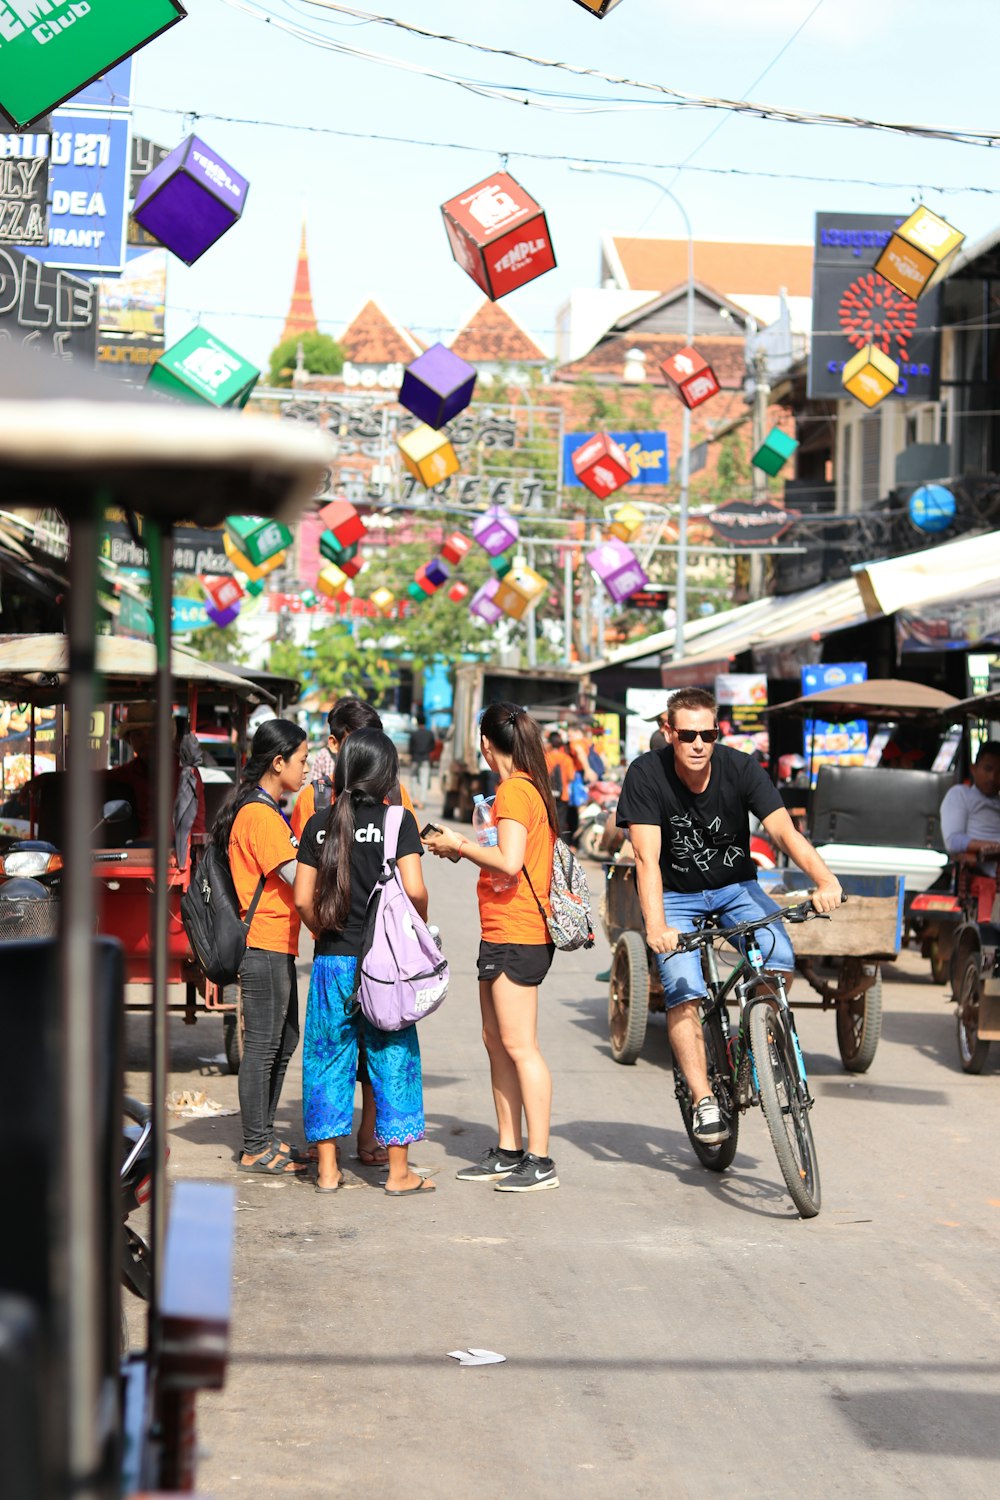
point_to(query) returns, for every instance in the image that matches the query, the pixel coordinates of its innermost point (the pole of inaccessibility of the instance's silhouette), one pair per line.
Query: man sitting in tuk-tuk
(970, 815)
(136, 775)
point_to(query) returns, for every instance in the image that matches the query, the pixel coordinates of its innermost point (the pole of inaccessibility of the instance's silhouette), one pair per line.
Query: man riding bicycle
(686, 809)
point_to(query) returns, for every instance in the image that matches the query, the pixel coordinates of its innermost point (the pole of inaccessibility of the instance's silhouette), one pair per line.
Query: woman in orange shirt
(516, 951)
(262, 852)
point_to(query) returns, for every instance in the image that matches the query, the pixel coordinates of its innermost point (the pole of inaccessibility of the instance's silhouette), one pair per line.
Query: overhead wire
(965, 136)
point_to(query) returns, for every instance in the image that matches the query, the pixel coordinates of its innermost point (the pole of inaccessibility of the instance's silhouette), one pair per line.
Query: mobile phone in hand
(428, 829)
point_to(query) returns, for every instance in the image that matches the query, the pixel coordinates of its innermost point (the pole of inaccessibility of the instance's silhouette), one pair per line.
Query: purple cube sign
(618, 568)
(190, 200)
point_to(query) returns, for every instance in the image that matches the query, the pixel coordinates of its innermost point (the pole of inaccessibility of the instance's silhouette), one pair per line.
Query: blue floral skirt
(330, 1064)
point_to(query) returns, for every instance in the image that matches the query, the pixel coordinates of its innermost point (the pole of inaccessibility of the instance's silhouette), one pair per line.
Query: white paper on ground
(477, 1357)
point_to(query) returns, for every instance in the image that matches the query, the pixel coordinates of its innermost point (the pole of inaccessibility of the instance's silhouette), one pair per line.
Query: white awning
(953, 569)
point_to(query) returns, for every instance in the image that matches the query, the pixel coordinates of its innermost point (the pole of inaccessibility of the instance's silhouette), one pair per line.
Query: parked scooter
(30, 877)
(602, 800)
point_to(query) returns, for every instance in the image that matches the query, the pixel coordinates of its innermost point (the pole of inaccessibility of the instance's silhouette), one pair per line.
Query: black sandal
(273, 1163)
(290, 1152)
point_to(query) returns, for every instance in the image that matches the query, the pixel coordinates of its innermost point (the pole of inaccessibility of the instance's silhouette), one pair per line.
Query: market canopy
(35, 668)
(879, 700)
(951, 570)
(982, 706)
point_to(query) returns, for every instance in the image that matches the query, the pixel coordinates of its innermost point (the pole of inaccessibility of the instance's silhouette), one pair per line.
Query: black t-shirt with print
(705, 838)
(366, 866)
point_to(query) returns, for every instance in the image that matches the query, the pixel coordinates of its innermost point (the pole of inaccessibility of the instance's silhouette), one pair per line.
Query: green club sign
(51, 48)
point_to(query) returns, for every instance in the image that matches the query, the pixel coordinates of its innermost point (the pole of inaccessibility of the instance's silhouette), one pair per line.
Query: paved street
(668, 1333)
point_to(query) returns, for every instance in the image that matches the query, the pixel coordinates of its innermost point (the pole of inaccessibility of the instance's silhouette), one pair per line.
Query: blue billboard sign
(89, 159)
(647, 453)
(827, 744)
(189, 614)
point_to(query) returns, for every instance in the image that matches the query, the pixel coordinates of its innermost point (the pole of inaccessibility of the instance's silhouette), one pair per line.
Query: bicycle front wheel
(715, 1158)
(785, 1111)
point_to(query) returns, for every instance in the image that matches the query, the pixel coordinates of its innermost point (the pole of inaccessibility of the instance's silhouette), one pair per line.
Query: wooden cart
(840, 959)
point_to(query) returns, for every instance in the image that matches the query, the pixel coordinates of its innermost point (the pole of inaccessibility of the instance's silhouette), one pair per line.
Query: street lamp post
(680, 593)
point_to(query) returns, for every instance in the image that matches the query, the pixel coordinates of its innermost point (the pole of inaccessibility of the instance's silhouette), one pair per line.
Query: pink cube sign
(618, 568)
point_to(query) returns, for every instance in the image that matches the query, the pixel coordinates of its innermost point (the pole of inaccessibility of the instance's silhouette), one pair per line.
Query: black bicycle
(758, 1063)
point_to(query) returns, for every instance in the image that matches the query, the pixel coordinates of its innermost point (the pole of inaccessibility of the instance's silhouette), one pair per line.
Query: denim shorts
(681, 972)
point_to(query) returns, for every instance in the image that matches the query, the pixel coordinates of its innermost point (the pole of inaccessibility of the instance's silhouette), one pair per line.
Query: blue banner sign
(189, 614)
(89, 159)
(647, 453)
(829, 744)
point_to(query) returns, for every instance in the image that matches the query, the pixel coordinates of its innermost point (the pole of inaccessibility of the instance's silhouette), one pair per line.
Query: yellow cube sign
(627, 522)
(870, 376)
(519, 587)
(332, 581)
(428, 455)
(919, 252)
(382, 598)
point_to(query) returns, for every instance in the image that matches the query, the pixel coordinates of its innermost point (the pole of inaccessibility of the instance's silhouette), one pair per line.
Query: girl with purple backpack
(340, 860)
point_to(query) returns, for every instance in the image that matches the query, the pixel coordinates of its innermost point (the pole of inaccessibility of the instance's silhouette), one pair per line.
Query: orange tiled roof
(756, 270)
(607, 360)
(372, 338)
(491, 336)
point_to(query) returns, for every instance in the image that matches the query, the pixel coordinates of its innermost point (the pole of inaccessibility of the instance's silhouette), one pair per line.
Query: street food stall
(75, 1422)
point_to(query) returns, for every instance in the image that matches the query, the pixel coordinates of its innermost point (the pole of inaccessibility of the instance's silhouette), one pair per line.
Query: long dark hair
(514, 732)
(348, 715)
(367, 770)
(274, 737)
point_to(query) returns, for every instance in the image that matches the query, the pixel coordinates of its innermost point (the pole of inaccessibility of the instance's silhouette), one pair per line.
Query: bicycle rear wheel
(787, 1116)
(715, 1158)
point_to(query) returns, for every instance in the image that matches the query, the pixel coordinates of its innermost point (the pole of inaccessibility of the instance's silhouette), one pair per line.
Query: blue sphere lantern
(932, 508)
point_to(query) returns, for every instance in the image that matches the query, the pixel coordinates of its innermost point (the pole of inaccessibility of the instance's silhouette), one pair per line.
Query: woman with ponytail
(340, 861)
(516, 950)
(251, 831)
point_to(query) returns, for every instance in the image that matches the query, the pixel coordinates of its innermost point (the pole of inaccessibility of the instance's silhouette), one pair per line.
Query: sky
(373, 207)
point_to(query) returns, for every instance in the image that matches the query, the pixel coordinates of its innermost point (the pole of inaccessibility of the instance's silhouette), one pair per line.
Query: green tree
(335, 664)
(321, 355)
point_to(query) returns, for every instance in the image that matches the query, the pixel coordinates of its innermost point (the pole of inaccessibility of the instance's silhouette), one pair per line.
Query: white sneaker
(707, 1124)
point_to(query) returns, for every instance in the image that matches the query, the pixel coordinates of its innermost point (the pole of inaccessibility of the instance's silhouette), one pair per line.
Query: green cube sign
(202, 368)
(257, 538)
(49, 49)
(774, 452)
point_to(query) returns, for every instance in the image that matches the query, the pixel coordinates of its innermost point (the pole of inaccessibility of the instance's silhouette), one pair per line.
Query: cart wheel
(232, 1029)
(971, 1051)
(628, 998)
(859, 1026)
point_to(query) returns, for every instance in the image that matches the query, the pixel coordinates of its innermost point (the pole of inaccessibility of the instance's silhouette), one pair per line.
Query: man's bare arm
(780, 828)
(646, 843)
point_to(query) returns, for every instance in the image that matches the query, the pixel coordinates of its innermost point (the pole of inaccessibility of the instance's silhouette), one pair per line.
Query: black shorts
(523, 963)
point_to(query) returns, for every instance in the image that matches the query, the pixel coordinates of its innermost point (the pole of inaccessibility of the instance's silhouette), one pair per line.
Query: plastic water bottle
(486, 836)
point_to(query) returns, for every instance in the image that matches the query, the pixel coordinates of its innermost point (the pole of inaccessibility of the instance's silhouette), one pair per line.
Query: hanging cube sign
(309, 599)
(602, 465)
(342, 520)
(383, 598)
(483, 602)
(257, 538)
(437, 386)
(501, 565)
(437, 571)
(351, 566)
(50, 49)
(190, 200)
(202, 368)
(222, 617)
(521, 587)
(416, 592)
(333, 551)
(618, 568)
(222, 592)
(774, 452)
(870, 376)
(455, 548)
(691, 377)
(919, 252)
(331, 581)
(458, 592)
(626, 522)
(495, 531)
(240, 561)
(428, 455)
(598, 8)
(499, 235)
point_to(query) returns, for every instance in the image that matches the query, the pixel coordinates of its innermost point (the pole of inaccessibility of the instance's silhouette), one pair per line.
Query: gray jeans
(269, 992)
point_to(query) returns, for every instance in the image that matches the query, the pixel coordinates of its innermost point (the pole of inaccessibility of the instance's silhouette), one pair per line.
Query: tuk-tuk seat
(866, 820)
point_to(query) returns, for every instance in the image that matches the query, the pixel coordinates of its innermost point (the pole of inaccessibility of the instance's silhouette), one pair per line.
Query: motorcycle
(594, 815)
(30, 877)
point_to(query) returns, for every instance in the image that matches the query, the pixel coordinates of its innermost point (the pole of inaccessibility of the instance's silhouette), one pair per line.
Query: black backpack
(210, 911)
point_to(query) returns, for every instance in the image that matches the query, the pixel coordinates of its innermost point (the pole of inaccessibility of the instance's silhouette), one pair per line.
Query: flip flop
(372, 1156)
(336, 1189)
(273, 1163)
(425, 1187)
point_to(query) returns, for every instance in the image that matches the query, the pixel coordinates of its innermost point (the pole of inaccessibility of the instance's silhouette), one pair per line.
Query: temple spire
(301, 316)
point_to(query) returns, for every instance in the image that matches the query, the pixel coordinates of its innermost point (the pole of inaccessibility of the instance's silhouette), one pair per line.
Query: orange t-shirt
(567, 767)
(260, 844)
(512, 916)
(305, 806)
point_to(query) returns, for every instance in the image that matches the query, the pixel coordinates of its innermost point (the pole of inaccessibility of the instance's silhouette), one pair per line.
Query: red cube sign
(602, 465)
(222, 592)
(691, 377)
(499, 235)
(342, 519)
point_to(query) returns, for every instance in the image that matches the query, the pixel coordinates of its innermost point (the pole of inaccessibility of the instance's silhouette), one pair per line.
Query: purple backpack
(402, 974)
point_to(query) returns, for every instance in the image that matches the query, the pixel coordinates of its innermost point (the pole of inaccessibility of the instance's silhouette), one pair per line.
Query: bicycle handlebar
(802, 911)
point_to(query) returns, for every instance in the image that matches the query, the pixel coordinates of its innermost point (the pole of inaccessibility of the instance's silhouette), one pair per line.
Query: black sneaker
(707, 1124)
(531, 1174)
(492, 1164)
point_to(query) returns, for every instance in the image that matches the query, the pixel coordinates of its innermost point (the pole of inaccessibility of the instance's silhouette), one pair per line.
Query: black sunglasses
(688, 736)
